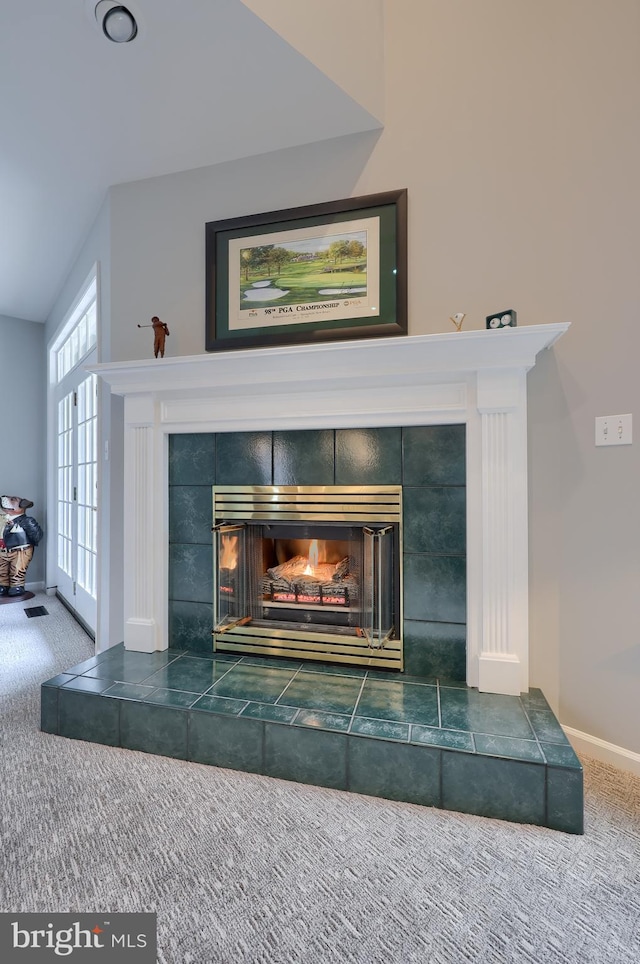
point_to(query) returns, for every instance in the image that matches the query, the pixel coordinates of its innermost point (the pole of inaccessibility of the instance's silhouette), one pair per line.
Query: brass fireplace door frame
(369, 507)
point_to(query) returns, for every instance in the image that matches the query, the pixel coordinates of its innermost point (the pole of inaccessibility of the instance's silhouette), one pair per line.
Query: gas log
(296, 581)
(291, 570)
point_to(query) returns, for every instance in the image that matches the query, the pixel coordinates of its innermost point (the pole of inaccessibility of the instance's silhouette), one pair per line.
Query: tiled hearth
(422, 740)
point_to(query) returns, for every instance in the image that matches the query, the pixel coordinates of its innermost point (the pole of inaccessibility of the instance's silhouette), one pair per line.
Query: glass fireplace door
(378, 585)
(230, 575)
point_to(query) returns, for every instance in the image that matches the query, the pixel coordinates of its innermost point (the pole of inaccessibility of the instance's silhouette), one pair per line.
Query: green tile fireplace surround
(429, 463)
(422, 736)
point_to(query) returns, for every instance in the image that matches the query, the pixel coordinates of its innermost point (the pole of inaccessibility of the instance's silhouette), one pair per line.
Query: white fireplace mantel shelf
(476, 377)
(320, 366)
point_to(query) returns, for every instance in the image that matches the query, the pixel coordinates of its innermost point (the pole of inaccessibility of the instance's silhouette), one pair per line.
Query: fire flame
(314, 558)
(229, 552)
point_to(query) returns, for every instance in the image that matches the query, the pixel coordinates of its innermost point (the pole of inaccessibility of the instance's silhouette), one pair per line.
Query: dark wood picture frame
(345, 264)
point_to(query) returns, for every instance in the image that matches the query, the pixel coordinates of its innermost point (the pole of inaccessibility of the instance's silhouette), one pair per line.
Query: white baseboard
(593, 746)
(34, 586)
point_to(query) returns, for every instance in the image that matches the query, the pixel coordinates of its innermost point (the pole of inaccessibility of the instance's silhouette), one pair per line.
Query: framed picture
(318, 273)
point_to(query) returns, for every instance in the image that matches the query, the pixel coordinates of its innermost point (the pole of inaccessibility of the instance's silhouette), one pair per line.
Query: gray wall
(22, 402)
(514, 127)
(158, 232)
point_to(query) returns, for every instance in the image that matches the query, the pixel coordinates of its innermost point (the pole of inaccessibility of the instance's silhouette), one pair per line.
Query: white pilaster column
(141, 512)
(503, 657)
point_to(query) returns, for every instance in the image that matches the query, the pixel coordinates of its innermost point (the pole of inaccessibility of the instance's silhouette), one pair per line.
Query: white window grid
(79, 342)
(65, 483)
(87, 500)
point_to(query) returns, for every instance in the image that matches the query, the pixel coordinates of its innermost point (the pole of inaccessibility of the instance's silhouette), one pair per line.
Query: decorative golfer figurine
(160, 332)
(20, 535)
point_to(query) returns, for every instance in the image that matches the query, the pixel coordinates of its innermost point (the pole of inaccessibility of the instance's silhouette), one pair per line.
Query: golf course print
(304, 271)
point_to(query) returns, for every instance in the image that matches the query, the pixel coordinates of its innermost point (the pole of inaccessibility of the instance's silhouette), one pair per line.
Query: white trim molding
(476, 378)
(593, 746)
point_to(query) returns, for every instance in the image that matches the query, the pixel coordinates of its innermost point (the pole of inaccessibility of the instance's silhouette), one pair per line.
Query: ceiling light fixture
(118, 23)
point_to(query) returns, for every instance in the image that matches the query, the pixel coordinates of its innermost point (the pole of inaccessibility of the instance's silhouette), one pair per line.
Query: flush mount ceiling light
(117, 22)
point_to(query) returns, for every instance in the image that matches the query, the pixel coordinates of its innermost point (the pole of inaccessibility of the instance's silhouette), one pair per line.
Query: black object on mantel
(503, 319)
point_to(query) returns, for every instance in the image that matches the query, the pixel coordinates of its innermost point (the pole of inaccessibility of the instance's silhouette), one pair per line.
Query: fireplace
(284, 436)
(474, 378)
(309, 572)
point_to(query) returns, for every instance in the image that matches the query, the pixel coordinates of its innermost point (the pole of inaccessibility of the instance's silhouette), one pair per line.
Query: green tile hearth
(220, 704)
(401, 702)
(323, 721)
(434, 742)
(332, 694)
(269, 711)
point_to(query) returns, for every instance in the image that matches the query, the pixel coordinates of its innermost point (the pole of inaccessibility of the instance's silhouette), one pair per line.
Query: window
(75, 400)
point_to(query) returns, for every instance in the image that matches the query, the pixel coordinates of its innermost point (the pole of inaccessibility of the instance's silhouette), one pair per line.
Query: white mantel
(475, 377)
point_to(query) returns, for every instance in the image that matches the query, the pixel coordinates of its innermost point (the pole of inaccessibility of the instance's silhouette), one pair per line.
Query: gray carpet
(243, 868)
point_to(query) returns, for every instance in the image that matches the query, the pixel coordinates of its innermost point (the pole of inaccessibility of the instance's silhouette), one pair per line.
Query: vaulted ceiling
(204, 81)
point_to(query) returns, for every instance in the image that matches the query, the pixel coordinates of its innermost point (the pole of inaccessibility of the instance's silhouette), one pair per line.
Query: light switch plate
(614, 430)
